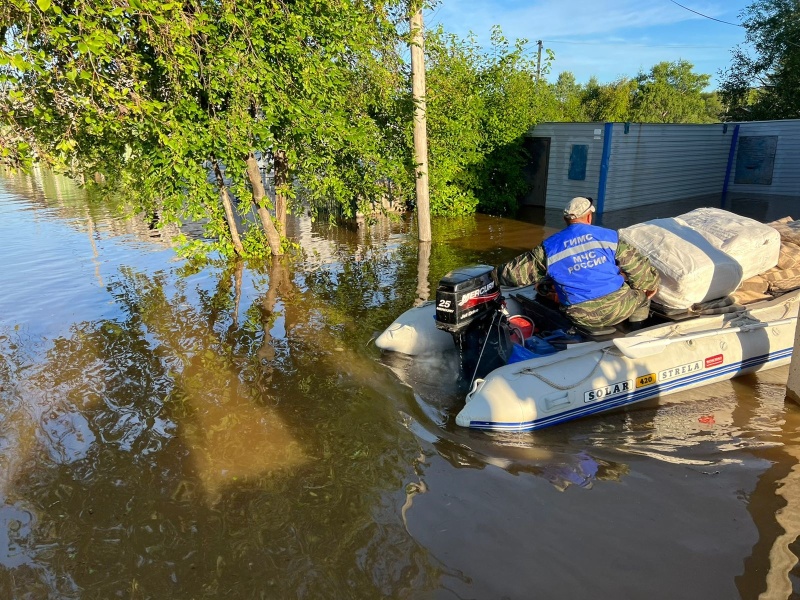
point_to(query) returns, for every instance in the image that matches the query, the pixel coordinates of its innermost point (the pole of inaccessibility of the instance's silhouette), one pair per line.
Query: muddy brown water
(229, 432)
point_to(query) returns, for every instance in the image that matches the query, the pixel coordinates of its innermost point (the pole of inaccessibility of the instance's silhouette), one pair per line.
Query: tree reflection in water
(228, 432)
(174, 451)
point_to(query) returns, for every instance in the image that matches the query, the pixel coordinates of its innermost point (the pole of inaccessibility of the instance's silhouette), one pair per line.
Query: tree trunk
(237, 279)
(228, 206)
(280, 287)
(281, 165)
(273, 235)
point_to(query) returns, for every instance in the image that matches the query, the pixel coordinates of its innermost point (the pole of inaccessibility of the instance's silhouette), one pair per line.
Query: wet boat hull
(595, 377)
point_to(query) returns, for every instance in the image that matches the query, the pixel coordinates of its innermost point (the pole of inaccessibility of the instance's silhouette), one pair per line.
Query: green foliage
(567, 93)
(149, 93)
(714, 108)
(610, 102)
(476, 152)
(670, 93)
(763, 84)
(454, 129)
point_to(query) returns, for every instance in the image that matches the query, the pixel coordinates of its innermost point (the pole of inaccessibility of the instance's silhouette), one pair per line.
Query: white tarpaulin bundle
(753, 245)
(704, 254)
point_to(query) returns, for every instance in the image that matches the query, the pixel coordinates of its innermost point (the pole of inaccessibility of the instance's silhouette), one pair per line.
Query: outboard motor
(468, 306)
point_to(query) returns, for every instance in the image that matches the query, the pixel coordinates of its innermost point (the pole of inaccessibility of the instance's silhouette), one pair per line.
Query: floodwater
(170, 431)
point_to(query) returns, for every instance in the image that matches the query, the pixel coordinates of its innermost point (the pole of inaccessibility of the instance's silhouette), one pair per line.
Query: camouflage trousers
(607, 310)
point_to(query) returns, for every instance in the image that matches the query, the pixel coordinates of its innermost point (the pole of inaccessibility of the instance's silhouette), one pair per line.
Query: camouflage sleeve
(525, 269)
(636, 267)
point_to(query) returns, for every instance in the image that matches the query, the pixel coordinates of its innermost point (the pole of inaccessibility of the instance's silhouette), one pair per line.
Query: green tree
(764, 84)
(568, 92)
(714, 108)
(454, 128)
(476, 152)
(670, 93)
(157, 95)
(514, 102)
(608, 102)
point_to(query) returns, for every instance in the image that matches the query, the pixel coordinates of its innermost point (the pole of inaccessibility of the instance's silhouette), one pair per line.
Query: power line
(706, 16)
(628, 44)
(726, 22)
(431, 17)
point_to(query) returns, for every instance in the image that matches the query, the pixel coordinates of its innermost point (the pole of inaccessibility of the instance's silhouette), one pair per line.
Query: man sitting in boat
(599, 280)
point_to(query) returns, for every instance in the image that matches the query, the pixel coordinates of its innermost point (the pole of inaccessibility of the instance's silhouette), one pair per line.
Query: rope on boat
(786, 306)
(480, 356)
(741, 320)
(673, 332)
(553, 384)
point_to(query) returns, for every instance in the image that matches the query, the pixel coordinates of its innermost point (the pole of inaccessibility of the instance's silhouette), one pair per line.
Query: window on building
(755, 159)
(577, 161)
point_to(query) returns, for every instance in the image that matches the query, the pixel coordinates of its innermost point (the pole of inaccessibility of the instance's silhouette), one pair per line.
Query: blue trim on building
(604, 162)
(731, 154)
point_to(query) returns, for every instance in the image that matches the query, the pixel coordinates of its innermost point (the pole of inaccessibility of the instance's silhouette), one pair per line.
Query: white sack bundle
(692, 270)
(755, 246)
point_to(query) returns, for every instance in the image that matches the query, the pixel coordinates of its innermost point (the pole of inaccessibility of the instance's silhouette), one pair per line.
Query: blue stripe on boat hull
(644, 394)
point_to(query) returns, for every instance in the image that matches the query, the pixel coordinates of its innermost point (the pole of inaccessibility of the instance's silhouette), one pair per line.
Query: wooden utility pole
(539, 61)
(420, 124)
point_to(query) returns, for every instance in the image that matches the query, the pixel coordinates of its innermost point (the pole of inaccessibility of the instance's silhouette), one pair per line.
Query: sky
(605, 38)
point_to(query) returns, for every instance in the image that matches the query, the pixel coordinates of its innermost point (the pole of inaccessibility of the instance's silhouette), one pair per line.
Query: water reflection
(229, 432)
(229, 435)
(439, 396)
(220, 427)
(561, 467)
(95, 214)
(770, 571)
(423, 274)
(15, 530)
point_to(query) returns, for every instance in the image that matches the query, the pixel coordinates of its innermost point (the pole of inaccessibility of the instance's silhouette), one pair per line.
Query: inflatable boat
(727, 305)
(537, 370)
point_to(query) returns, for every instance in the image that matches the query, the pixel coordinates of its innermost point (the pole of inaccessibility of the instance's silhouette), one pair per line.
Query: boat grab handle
(639, 346)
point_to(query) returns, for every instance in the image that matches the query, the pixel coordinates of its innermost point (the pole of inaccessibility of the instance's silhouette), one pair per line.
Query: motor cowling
(466, 295)
(468, 305)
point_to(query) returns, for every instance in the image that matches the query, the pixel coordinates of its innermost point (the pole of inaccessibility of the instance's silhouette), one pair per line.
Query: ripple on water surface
(231, 434)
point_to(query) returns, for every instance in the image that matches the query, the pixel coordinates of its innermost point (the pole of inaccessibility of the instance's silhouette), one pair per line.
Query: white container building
(752, 168)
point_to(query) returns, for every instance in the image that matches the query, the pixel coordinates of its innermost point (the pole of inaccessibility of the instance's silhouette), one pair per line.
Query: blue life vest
(581, 262)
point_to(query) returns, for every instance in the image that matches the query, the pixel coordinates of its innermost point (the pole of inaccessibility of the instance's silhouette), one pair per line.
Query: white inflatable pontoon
(595, 376)
(702, 257)
(592, 377)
